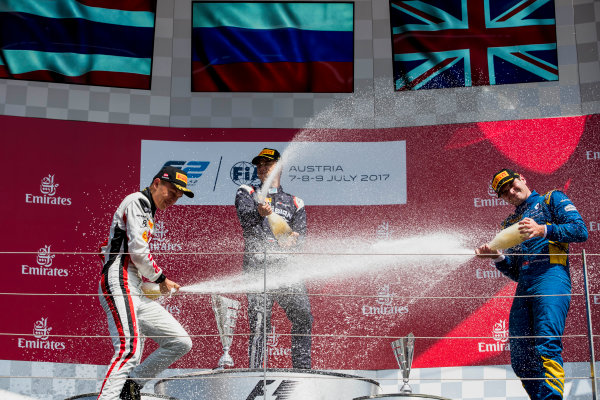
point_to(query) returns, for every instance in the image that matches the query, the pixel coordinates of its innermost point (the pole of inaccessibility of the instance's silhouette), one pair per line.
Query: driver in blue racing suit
(540, 265)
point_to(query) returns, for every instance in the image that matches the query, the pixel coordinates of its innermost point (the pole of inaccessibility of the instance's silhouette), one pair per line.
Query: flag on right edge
(453, 43)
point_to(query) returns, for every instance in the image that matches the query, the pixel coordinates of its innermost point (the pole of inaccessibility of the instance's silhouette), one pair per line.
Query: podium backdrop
(407, 189)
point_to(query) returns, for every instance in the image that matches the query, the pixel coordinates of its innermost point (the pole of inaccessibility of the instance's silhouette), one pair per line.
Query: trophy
(404, 350)
(226, 312)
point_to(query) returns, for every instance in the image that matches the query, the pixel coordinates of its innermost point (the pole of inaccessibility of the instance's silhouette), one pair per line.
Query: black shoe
(131, 391)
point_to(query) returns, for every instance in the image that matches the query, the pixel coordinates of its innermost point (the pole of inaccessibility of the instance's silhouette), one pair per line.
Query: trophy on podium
(226, 312)
(404, 350)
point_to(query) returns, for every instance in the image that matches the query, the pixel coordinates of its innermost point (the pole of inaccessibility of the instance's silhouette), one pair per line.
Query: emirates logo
(48, 192)
(384, 231)
(44, 257)
(41, 333)
(384, 296)
(500, 336)
(273, 338)
(41, 330)
(385, 304)
(48, 187)
(160, 233)
(44, 261)
(275, 349)
(500, 331)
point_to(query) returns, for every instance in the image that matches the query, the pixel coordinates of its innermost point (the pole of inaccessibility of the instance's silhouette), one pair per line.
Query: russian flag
(93, 42)
(273, 47)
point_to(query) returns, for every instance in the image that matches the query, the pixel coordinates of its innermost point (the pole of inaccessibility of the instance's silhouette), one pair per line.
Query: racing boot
(131, 391)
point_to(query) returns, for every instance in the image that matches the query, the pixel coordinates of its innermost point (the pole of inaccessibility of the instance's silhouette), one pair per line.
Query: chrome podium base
(402, 396)
(251, 384)
(145, 396)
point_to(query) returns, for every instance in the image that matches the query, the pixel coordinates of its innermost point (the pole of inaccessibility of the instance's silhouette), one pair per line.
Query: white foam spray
(340, 113)
(425, 259)
(288, 156)
(433, 255)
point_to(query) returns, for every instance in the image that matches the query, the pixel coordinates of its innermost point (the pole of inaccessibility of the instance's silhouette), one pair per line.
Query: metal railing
(586, 295)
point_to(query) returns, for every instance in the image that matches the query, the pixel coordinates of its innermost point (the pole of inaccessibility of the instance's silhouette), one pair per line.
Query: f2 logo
(193, 169)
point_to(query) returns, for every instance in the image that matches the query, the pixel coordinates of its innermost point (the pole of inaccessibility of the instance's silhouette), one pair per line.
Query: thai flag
(93, 42)
(451, 43)
(273, 47)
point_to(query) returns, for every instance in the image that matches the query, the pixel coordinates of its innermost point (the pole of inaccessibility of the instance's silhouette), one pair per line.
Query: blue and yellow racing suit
(540, 265)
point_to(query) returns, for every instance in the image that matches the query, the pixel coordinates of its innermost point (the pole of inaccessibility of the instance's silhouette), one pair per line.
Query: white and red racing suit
(131, 316)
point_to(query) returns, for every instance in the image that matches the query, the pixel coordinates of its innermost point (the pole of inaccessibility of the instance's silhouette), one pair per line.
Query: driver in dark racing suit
(259, 245)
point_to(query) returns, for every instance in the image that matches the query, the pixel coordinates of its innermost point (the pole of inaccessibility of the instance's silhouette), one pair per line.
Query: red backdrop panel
(64, 179)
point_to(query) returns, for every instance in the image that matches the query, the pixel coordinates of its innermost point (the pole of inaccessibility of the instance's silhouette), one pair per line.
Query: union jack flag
(453, 43)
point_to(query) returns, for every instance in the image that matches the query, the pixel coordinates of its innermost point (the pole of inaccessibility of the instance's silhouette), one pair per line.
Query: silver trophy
(404, 350)
(226, 313)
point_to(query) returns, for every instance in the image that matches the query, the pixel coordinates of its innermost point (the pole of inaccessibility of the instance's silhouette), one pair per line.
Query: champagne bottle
(151, 290)
(507, 238)
(280, 228)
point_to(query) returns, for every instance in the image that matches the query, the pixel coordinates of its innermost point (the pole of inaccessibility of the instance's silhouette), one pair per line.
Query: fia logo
(244, 173)
(384, 296)
(48, 187)
(383, 231)
(500, 331)
(41, 330)
(44, 257)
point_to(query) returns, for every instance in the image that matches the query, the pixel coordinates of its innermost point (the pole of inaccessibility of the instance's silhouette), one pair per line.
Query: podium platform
(251, 384)
(402, 396)
(145, 396)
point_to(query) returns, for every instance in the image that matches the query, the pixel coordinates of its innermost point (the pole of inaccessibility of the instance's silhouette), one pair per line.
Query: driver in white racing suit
(131, 316)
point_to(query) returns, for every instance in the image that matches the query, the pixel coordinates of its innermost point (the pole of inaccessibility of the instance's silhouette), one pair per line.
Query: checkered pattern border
(373, 104)
(56, 381)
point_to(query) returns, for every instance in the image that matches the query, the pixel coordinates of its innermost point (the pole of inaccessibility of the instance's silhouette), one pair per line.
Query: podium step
(402, 396)
(145, 396)
(254, 384)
